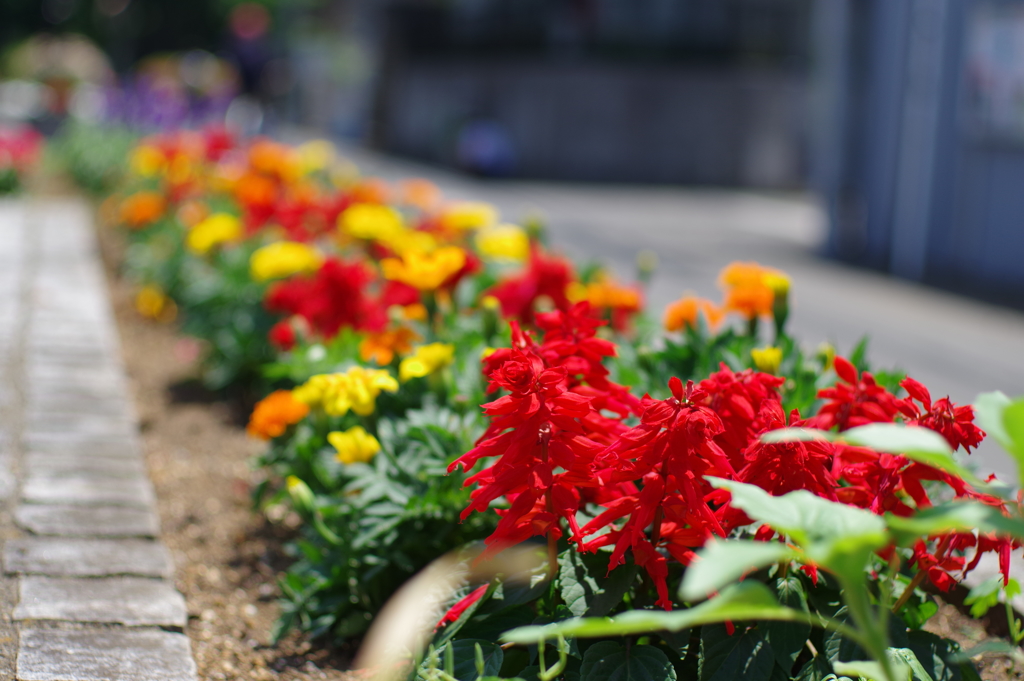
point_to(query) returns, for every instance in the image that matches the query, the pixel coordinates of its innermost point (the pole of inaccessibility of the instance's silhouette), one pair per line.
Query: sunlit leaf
(796, 435)
(745, 601)
(724, 562)
(953, 516)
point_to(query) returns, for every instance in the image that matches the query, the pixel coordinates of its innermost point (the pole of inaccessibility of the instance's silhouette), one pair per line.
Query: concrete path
(954, 345)
(87, 591)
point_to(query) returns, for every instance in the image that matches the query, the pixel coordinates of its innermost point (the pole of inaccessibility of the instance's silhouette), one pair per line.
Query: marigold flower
(684, 313)
(422, 194)
(767, 359)
(151, 303)
(217, 229)
(147, 160)
(382, 347)
(468, 215)
(354, 445)
(425, 271)
(751, 289)
(426, 360)
(316, 155)
(504, 242)
(356, 390)
(371, 221)
(274, 414)
(283, 259)
(142, 209)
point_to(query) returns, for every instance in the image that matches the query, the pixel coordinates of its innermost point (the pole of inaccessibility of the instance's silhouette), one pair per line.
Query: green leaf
(610, 661)
(896, 438)
(984, 596)
(835, 536)
(816, 669)
(745, 601)
(953, 516)
(723, 562)
(796, 435)
(727, 658)
(872, 671)
(989, 409)
(465, 658)
(788, 639)
(939, 656)
(1013, 423)
(586, 594)
(907, 657)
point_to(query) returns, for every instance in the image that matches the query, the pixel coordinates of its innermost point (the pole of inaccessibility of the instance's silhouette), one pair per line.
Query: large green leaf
(1013, 423)
(953, 516)
(834, 536)
(585, 588)
(788, 639)
(726, 657)
(723, 562)
(796, 435)
(745, 601)
(897, 439)
(611, 661)
(988, 412)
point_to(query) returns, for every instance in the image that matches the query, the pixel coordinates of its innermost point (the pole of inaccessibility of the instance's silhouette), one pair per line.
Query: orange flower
(683, 313)
(369, 190)
(274, 413)
(382, 347)
(747, 289)
(255, 190)
(422, 194)
(142, 209)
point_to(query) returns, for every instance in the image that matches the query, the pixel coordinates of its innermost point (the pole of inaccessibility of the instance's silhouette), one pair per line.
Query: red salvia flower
(545, 276)
(955, 423)
(738, 399)
(854, 401)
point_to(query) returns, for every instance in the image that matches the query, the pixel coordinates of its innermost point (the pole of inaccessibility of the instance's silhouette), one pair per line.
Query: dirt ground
(228, 558)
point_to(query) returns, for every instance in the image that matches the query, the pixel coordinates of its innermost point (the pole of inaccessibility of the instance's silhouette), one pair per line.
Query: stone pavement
(86, 592)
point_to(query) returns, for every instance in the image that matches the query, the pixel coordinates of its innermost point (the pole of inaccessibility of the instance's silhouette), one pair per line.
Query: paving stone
(97, 654)
(77, 557)
(62, 443)
(78, 424)
(69, 461)
(87, 521)
(96, 405)
(131, 601)
(88, 489)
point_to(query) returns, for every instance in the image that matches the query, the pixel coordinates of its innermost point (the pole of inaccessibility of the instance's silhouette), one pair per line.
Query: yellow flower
(371, 221)
(504, 242)
(216, 229)
(147, 160)
(467, 215)
(767, 359)
(316, 155)
(356, 389)
(151, 303)
(354, 445)
(426, 360)
(283, 259)
(425, 270)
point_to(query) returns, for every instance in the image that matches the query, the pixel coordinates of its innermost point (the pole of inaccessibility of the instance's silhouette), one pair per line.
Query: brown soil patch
(228, 558)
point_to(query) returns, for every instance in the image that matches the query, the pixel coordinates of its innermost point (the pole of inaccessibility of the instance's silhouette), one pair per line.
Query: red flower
(954, 423)
(332, 298)
(282, 335)
(738, 399)
(672, 451)
(788, 466)
(854, 401)
(455, 612)
(545, 276)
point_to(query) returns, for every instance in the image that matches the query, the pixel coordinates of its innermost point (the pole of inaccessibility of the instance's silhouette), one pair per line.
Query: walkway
(87, 591)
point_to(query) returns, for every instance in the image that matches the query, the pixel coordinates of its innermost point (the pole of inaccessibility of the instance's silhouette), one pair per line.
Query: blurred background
(903, 119)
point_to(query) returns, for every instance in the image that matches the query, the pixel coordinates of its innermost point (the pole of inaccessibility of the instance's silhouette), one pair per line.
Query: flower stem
(909, 591)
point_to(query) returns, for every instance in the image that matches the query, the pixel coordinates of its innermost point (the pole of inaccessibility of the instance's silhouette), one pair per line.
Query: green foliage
(94, 156)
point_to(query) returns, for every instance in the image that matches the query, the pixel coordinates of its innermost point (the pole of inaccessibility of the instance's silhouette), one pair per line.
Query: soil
(228, 557)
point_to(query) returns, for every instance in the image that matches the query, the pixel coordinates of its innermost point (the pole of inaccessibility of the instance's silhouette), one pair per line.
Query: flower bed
(437, 381)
